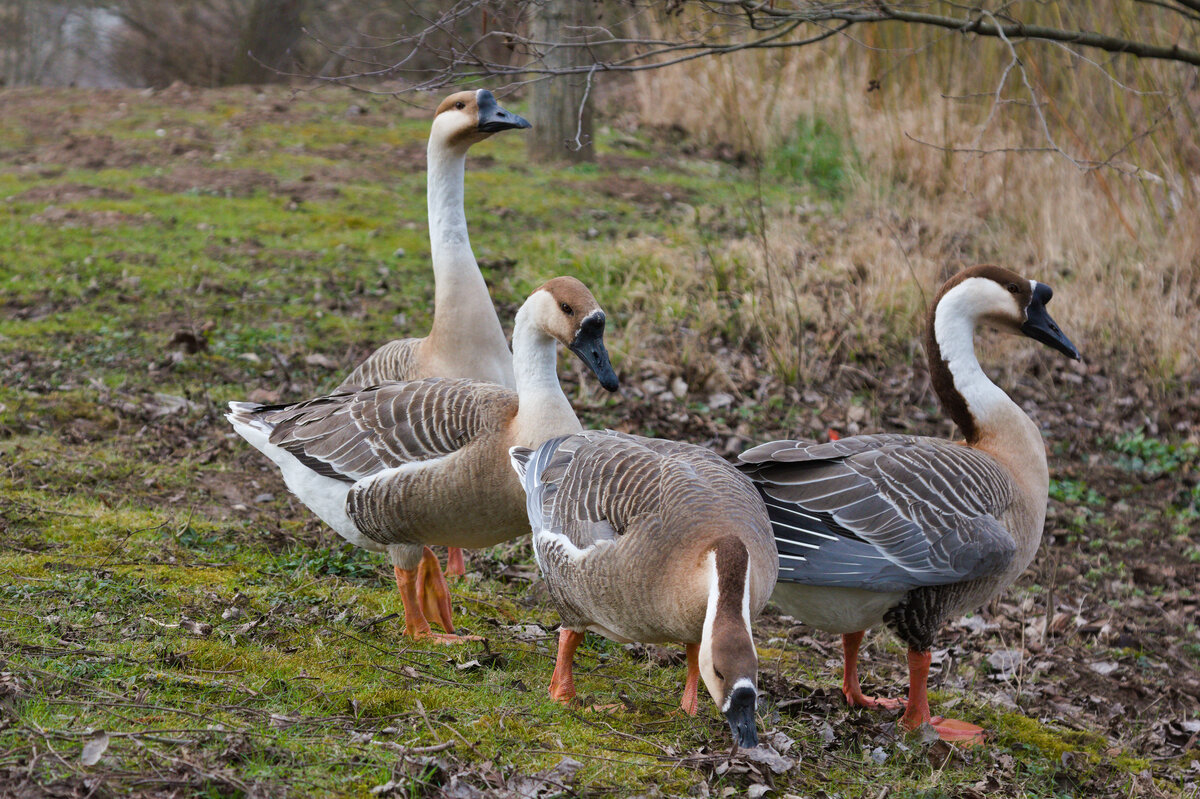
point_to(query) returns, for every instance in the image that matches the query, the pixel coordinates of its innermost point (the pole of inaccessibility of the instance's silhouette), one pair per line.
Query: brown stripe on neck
(732, 560)
(948, 395)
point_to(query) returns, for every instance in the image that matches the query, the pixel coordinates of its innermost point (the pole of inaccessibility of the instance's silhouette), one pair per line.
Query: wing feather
(885, 512)
(356, 434)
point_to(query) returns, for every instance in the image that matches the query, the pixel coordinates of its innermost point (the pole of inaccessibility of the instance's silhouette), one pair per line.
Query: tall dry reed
(1120, 243)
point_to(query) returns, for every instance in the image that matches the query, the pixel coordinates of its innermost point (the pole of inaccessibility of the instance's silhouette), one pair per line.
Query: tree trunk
(271, 29)
(561, 110)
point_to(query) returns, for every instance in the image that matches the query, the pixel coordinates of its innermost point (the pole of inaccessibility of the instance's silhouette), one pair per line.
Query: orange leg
(917, 712)
(562, 683)
(432, 592)
(416, 625)
(691, 701)
(455, 566)
(850, 685)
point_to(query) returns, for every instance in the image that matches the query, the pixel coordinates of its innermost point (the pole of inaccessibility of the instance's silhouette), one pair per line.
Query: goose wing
(352, 435)
(884, 512)
(589, 487)
(396, 360)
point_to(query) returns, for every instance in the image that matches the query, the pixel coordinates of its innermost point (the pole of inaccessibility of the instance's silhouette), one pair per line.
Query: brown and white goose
(466, 339)
(641, 539)
(402, 465)
(911, 531)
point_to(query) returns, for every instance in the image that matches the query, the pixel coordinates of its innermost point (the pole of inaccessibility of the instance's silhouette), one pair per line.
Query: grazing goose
(466, 339)
(911, 531)
(404, 464)
(641, 539)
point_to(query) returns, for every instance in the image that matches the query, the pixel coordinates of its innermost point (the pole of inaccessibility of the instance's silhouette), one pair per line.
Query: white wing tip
(242, 414)
(519, 458)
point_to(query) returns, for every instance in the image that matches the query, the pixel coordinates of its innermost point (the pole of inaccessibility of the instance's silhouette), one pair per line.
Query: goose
(641, 539)
(910, 531)
(401, 465)
(466, 339)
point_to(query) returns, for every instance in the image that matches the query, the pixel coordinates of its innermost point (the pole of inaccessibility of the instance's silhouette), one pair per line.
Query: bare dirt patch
(93, 152)
(639, 191)
(70, 192)
(237, 183)
(95, 220)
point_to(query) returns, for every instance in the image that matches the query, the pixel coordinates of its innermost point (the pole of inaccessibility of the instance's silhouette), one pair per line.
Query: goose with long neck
(466, 339)
(910, 531)
(641, 539)
(402, 465)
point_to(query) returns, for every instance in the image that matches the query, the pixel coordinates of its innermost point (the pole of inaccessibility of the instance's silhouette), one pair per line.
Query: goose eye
(1012, 288)
(460, 105)
(567, 309)
(720, 676)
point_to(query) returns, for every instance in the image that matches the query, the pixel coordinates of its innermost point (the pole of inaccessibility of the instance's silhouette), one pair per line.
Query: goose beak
(493, 118)
(589, 346)
(739, 712)
(1040, 327)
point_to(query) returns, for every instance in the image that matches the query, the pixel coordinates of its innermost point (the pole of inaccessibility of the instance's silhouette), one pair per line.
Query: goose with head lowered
(641, 539)
(403, 465)
(911, 531)
(466, 339)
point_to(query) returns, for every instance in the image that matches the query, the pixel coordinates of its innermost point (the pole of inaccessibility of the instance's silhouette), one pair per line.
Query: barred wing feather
(352, 435)
(883, 512)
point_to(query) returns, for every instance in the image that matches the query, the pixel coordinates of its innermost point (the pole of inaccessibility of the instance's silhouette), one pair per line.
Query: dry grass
(1120, 243)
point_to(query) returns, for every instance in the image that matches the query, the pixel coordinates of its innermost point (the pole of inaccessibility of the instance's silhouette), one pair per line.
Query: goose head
(1003, 299)
(467, 118)
(565, 310)
(728, 659)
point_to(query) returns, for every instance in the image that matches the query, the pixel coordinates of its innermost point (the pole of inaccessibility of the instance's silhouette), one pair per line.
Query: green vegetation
(814, 155)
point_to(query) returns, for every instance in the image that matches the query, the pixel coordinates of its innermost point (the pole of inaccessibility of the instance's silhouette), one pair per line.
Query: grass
(158, 583)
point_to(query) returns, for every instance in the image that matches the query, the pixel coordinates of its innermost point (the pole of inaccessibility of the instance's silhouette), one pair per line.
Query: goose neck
(535, 367)
(977, 405)
(448, 237)
(728, 660)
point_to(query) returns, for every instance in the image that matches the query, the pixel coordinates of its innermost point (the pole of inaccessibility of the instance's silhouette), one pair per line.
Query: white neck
(544, 411)
(444, 194)
(954, 324)
(1002, 428)
(465, 325)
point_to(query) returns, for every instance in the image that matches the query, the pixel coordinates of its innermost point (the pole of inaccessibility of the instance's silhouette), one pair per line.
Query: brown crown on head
(469, 106)
(1018, 286)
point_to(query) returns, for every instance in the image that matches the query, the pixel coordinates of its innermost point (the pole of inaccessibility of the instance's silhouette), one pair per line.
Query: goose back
(889, 512)
(397, 360)
(623, 527)
(417, 456)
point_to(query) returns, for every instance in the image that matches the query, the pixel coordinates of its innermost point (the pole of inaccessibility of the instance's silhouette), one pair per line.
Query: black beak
(589, 346)
(1040, 327)
(740, 715)
(493, 118)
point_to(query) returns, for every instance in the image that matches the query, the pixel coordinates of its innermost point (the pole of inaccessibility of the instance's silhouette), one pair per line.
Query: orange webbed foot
(958, 732)
(856, 698)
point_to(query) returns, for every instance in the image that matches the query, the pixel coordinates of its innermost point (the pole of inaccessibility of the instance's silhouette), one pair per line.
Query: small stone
(266, 497)
(879, 756)
(398, 253)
